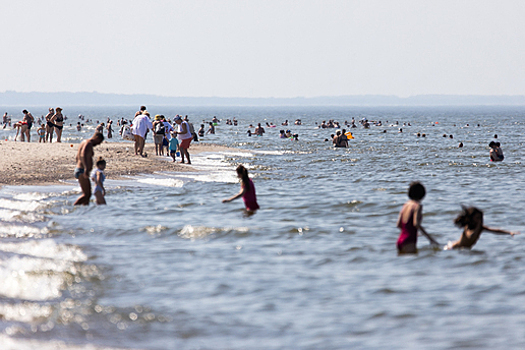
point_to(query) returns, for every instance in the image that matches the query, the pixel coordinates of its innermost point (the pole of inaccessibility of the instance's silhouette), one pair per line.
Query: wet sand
(32, 163)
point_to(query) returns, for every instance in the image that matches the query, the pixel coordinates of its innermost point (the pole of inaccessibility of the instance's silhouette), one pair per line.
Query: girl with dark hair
(247, 190)
(409, 220)
(471, 220)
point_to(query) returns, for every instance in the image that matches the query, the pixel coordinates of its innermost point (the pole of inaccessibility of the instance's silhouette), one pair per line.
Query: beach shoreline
(33, 163)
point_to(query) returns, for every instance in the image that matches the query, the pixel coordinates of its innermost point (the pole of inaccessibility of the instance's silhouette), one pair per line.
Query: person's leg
(59, 134)
(187, 155)
(182, 154)
(99, 198)
(137, 142)
(85, 185)
(141, 145)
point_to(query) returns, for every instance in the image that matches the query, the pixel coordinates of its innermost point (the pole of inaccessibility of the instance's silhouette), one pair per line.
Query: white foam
(20, 231)
(25, 312)
(272, 153)
(45, 248)
(197, 232)
(167, 182)
(8, 215)
(30, 278)
(19, 205)
(9, 343)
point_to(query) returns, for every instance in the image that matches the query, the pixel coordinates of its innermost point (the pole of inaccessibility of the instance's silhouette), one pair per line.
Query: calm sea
(166, 265)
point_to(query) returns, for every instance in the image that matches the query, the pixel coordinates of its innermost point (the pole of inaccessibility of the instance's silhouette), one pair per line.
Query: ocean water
(166, 265)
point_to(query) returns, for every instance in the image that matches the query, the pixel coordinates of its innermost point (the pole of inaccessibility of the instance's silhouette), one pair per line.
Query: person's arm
(417, 224)
(498, 231)
(99, 183)
(238, 195)
(87, 159)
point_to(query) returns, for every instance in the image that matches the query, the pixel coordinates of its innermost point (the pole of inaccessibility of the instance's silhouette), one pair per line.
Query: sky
(264, 48)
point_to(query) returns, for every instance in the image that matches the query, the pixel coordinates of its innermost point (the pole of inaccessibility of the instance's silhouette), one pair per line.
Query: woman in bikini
(58, 121)
(49, 126)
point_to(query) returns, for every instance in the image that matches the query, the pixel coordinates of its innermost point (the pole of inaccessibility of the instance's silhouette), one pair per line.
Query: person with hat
(185, 137)
(159, 132)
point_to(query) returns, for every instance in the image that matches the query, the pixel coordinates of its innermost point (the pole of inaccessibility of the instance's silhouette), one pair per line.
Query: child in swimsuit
(471, 220)
(42, 133)
(410, 220)
(247, 190)
(98, 178)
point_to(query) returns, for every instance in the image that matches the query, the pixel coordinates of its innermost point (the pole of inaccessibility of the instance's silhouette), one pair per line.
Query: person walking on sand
(141, 125)
(409, 220)
(247, 190)
(29, 119)
(49, 125)
(58, 121)
(98, 178)
(471, 220)
(84, 166)
(185, 137)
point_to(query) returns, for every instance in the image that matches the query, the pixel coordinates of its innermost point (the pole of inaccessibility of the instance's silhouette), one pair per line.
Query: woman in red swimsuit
(410, 220)
(247, 190)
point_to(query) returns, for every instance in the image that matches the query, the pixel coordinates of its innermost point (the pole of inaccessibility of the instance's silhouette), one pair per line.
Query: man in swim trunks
(84, 166)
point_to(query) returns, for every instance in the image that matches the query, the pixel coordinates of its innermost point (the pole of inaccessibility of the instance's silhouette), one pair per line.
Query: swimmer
(247, 190)
(496, 154)
(471, 220)
(409, 220)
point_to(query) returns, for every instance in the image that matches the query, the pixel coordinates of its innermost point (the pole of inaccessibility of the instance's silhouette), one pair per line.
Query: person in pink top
(409, 220)
(247, 190)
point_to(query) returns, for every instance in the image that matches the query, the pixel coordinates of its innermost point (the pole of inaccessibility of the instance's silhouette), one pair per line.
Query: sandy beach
(32, 163)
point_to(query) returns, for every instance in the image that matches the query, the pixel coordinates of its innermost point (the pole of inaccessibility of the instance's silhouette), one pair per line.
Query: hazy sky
(264, 48)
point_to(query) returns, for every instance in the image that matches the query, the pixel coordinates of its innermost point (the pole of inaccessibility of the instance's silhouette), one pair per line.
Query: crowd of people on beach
(173, 138)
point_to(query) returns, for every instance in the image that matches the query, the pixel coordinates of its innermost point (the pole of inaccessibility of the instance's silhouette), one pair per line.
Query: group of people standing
(162, 130)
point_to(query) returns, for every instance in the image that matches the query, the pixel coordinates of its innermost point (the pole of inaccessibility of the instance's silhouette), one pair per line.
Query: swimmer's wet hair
(416, 191)
(470, 217)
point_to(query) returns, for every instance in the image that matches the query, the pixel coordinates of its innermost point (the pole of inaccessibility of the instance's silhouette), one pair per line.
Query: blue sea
(166, 265)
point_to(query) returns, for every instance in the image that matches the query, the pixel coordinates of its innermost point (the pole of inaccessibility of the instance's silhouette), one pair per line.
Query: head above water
(471, 217)
(416, 191)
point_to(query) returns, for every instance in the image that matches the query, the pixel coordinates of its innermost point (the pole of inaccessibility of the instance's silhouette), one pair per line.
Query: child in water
(471, 220)
(247, 190)
(410, 220)
(98, 178)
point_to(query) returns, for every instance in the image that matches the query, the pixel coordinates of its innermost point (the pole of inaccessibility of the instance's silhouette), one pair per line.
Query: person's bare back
(84, 166)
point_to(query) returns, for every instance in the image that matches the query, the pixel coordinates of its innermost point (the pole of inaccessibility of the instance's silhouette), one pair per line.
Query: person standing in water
(247, 190)
(84, 166)
(471, 220)
(410, 218)
(185, 137)
(98, 178)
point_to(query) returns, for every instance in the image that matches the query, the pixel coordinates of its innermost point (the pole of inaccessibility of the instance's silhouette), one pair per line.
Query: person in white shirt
(141, 125)
(184, 136)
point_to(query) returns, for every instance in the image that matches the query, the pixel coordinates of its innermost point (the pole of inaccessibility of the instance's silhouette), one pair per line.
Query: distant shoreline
(27, 99)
